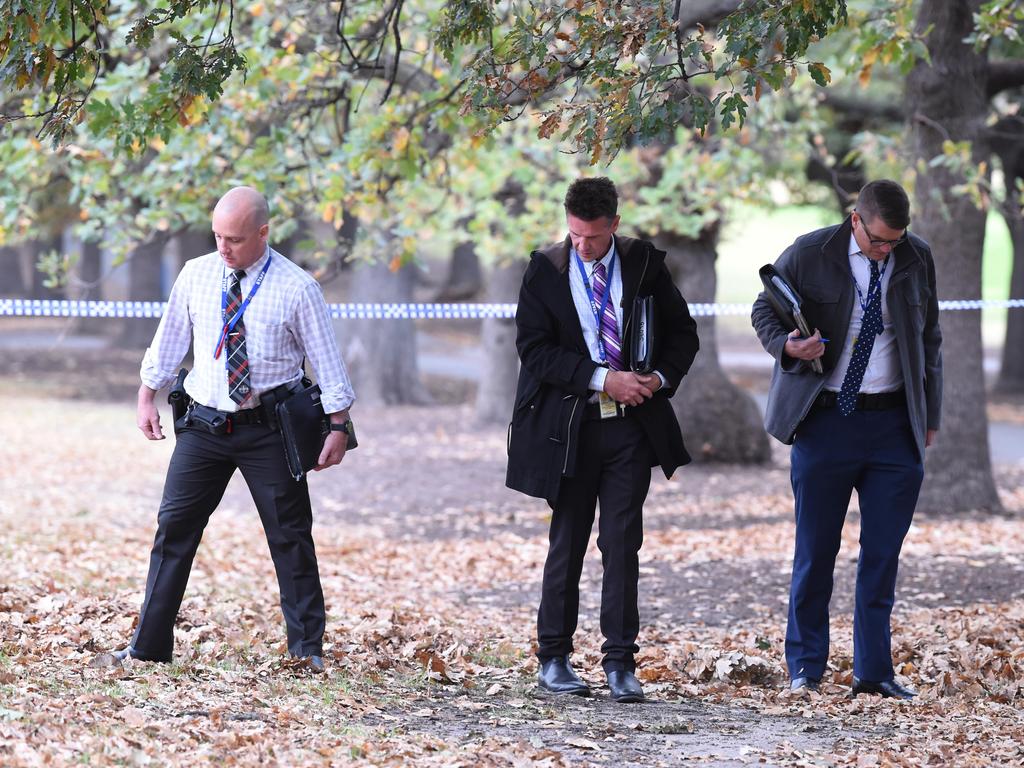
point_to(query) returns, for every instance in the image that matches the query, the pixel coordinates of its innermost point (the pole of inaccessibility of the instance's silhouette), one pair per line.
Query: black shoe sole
(629, 699)
(581, 692)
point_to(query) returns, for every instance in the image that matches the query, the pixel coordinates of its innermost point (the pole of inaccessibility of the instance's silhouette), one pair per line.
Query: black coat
(556, 367)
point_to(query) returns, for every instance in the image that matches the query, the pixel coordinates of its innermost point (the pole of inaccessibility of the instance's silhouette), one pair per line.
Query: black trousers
(614, 466)
(200, 468)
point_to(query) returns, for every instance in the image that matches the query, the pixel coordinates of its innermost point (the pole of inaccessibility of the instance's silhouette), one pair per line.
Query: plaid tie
(238, 360)
(870, 327)
(609, 328)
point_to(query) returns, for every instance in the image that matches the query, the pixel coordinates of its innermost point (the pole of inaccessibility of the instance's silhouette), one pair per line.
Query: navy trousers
(613, 466)
(200, 468)
(873, 452)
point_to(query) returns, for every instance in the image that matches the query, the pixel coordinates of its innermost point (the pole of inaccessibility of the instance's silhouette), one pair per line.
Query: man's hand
(629, 388)
(650, 380)
(810, 348)
(147, 417)
(335, 444)
(929, 437)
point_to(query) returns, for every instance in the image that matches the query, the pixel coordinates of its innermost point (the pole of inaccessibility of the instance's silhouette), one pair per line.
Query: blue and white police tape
(393, 311)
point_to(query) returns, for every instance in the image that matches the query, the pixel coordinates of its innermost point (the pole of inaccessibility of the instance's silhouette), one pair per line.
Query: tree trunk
(497, 390)
(84, 280)
(12, 283)
(946, 101)
(145, 283)
(720, 421)
(1011, 380)
(1011, 372)
(381, 354)
(465, 277)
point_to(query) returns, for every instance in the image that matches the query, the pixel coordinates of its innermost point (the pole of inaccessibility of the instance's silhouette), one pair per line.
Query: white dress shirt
(883, 373)
(586, 312)
(287, 320)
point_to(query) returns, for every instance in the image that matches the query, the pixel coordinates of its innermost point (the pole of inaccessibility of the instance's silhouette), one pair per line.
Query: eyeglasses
(878, 242)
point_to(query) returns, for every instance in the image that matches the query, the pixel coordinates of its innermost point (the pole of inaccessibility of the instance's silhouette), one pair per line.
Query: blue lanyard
(598, 310)
(229, 325)
(860, 295)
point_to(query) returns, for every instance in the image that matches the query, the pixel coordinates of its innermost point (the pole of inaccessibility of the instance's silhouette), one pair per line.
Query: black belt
(881, 401)
(247, 416)
(592, 411)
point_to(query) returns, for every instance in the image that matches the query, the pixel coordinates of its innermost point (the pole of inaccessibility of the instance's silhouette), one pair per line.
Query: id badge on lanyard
(598, 309)
(229, 325)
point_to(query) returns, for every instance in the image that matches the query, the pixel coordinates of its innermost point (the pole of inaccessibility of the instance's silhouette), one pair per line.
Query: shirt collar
(854, 248)
(256, 266)
(592, 265)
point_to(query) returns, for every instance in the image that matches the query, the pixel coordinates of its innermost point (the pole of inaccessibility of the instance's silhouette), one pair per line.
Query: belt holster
(179, 402)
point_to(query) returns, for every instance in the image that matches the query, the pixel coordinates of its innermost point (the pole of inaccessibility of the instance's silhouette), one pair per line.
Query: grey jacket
(817, 266)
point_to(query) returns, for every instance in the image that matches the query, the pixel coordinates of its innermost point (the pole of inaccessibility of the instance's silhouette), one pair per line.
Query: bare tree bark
(497, 390)
(1007, 140)
(12, 282)
(381, 354)
(145, 283)
(720, 421)
(465, 276)
(1011, 371)
(946, 100)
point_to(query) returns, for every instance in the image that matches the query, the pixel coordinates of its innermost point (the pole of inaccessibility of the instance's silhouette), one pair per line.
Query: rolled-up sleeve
(316, 335)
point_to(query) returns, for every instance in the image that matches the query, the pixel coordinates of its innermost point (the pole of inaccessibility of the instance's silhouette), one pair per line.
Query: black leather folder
(787, 305)
(642, 337)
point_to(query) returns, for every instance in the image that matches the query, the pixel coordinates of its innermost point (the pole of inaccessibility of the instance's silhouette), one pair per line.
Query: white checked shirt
(883, 373)
(287, 320)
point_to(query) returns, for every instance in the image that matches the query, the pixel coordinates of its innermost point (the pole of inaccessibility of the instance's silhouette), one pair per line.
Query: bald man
(253, 318)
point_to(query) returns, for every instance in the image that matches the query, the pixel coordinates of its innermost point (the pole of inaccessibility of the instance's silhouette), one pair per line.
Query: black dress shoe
(124, 653)
(624, 686)
(314, 664)
(888, 689)
(556, 676)
(804, 684)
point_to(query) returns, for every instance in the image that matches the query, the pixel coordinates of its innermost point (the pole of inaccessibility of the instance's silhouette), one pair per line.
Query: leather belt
(880, 401)
(246, 416)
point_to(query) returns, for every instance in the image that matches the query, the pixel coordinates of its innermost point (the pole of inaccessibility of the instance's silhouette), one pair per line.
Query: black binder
(787, 305)
(643, 338)
(304, 428)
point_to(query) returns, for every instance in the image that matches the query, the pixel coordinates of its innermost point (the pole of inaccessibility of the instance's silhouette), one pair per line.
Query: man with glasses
(868, 289)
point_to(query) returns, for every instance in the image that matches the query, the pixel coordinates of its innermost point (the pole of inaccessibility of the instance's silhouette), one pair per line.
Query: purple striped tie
(609, 328)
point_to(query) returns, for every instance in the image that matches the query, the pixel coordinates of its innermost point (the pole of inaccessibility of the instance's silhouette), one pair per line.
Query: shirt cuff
(664, 381)
(597, 379)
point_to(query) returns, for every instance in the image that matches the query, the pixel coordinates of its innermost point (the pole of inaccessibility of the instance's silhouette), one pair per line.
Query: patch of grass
(503, 655)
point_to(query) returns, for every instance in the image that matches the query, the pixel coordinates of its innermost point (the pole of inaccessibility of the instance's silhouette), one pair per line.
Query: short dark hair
(884, 199)
(592, 199)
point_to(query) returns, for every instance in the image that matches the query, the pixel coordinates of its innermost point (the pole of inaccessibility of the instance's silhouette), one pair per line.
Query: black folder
(304, 428)
(642, 339)
(787, 305)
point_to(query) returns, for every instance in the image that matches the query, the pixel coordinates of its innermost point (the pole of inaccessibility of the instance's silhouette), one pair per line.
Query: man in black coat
(586, 427)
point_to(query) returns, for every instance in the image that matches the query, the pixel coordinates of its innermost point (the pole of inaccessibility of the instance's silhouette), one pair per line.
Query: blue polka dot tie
(870, 327)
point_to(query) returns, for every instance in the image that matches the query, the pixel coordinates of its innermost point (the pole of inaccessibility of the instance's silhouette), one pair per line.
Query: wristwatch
(345, 426)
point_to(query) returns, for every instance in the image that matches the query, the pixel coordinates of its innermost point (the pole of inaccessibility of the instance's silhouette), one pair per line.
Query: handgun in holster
(179, 401)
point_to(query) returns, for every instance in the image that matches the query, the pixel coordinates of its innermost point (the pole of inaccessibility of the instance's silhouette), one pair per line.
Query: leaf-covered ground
(431, 571)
